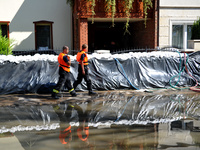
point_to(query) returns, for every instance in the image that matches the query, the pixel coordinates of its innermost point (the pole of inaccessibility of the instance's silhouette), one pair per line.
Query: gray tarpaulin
(143, 72)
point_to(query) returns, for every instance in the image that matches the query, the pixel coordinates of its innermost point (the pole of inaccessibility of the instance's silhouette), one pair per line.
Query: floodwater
(114, 120)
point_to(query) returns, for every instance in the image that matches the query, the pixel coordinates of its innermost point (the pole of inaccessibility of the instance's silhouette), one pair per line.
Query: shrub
(6, 45)
(196, 30)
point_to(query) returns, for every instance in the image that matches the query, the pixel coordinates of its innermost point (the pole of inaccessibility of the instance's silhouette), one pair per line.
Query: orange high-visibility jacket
(62, 63)
(78, 57)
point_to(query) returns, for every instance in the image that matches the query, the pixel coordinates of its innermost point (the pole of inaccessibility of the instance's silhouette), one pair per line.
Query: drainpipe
(158, 22)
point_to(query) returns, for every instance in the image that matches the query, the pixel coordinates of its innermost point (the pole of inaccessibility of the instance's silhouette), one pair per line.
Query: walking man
(65, 74)
(82, 58)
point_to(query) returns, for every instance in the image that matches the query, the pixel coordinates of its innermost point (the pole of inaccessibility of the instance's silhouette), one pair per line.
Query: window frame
(185, 23)
(44, 22)
(8, 24)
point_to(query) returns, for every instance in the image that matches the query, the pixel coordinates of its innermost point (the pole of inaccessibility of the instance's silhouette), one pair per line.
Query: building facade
(50, 24)
(175, 22)
(102, 35)
(36, 24)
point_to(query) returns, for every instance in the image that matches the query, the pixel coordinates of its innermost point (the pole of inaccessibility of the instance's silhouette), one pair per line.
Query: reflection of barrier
(124, 109)
(185, 108)
(183, 105)
(107, 109)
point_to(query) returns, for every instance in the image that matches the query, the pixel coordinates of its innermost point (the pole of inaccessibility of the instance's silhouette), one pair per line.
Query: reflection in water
(82, 131)
(108, 121)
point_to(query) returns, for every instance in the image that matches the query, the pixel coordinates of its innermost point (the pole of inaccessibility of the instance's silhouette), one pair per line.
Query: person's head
(65, 49)
(85, 47)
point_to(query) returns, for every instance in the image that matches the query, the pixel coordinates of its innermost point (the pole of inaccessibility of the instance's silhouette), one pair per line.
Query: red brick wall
(83, 32)
(146, 37)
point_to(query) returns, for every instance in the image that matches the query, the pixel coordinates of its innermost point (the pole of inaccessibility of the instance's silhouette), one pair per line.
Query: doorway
(102, 36)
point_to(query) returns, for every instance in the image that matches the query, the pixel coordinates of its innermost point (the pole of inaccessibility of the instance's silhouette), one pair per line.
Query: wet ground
(120, 119)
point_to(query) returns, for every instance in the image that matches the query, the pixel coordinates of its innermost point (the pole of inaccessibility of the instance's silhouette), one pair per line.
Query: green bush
(6, 45)
(196, 30)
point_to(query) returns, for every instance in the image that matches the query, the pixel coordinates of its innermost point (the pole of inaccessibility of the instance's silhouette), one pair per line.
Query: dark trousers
(64, 79)
(81, 76)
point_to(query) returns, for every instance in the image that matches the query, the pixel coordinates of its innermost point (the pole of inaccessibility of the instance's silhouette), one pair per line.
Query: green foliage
(6, 45)
(128, 5)
(147, 4)
(93, 4)
(111, 7)
(196, 30)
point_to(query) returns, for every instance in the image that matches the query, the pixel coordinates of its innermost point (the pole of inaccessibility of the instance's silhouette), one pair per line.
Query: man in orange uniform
(65, 74)
(82, 58)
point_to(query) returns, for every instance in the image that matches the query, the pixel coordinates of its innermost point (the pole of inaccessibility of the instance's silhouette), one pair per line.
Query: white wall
(178, 11)
(180, 3)
(22, 14)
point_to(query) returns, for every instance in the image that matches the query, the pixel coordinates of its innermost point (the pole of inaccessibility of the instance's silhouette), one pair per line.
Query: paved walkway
(44, 99)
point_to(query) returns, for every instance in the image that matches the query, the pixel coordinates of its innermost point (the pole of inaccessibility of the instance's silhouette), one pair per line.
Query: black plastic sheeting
(111, 108)
(144, 72)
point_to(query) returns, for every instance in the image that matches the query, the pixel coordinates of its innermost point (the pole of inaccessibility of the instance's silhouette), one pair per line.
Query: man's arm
(67, 60)
(82, 64)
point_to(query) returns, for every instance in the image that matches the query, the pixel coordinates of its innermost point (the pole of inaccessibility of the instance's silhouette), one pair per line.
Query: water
(117, 120)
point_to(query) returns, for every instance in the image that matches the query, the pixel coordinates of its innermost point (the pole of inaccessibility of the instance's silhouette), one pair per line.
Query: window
(4, 26)
(180, 33)
(189, 33)
(43, 35)
(177, 36)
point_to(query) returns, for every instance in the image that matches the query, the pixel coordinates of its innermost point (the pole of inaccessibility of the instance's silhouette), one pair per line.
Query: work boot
(73, 93)
(92, 93)
(55, 95)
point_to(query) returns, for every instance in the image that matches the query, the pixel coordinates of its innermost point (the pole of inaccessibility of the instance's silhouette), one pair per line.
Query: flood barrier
(143, 72)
